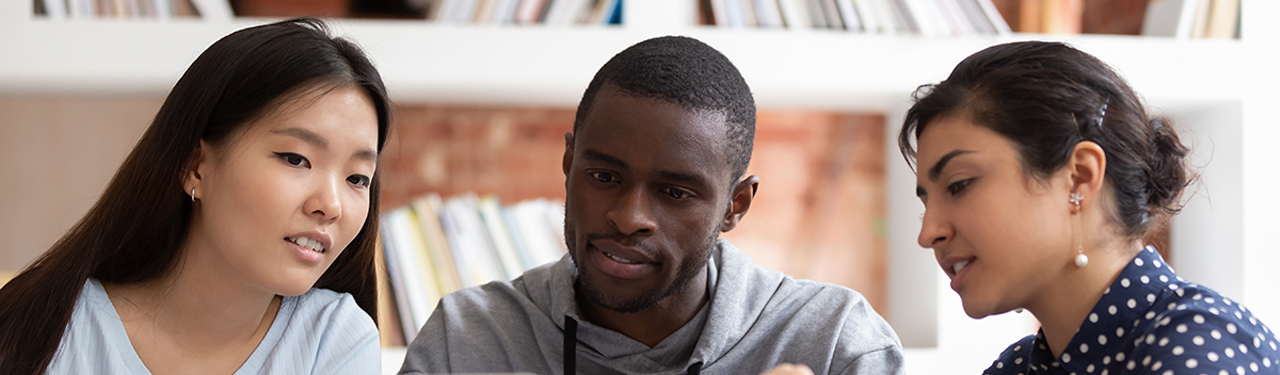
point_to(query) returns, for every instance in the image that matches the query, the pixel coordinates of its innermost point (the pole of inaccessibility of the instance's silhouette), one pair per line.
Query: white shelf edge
(550, 66)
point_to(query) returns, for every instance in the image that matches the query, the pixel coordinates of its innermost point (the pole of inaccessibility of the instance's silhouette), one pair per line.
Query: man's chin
(613, 300)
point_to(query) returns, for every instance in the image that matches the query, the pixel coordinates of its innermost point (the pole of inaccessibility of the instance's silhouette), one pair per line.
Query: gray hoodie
(756, 318)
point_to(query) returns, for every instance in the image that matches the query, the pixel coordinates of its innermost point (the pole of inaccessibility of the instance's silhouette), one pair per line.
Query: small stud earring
(193, 195)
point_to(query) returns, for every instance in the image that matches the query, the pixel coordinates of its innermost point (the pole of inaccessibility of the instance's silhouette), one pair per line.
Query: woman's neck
(1062, 309)
(194, 314)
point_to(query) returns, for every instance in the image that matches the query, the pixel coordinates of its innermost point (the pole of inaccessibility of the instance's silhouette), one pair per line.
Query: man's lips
(621, 262)
(621, 253)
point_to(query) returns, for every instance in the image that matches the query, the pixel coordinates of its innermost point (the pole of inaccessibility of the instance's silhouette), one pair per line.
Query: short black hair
(690, 73)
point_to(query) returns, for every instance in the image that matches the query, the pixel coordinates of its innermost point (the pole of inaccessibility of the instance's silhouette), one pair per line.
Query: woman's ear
(1088, 168)
(196, 163)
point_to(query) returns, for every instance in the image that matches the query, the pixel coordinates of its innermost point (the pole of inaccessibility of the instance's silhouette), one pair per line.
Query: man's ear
(196, 163)
(567, 162)
(1087, 171)
(739, 202)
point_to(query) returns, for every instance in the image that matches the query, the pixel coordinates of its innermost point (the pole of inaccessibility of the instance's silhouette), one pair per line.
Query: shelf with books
(491, 12)
(434, 246)
(1219, 19)
(480, 64)
(929, 18)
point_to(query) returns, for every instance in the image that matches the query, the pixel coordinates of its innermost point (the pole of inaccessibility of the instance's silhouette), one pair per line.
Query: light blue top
(320, 332)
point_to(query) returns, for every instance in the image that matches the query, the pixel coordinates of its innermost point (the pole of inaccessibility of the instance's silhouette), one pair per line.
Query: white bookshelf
(1217, 90)
(543, 65)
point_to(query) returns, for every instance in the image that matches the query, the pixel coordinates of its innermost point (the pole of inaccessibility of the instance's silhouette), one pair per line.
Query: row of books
(436, 246)
(924, 17)
(526, 12)
(155, 9)
(1218, 19)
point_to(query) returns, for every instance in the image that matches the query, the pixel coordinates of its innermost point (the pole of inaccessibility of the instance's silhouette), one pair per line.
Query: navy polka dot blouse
(1150, 321)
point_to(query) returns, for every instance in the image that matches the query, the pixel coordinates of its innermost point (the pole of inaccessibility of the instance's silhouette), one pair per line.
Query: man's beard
(689, 269)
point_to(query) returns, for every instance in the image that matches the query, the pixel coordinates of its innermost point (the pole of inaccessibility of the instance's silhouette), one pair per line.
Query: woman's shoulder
(1015, 358)
(1197, 329)
(324, 306)
(94, 340)
(335, 334)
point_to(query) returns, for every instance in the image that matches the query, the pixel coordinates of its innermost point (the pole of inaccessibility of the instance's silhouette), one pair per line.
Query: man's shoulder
(530, 291)
(820, 304)
(822, 300)
(495, 294)
(782, 291)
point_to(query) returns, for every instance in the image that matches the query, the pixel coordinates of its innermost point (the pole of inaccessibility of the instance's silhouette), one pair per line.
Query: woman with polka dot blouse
(1040, 173)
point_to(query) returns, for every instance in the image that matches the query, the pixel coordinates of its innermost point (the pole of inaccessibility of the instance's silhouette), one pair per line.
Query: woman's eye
(602, 176)
(359, 180)
(293, 159)
(958, 187)
(677, 193)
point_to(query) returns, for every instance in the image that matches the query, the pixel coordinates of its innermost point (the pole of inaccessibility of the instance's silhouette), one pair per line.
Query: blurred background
(484, 90)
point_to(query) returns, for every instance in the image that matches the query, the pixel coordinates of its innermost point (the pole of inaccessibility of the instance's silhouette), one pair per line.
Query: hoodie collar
(737, 293)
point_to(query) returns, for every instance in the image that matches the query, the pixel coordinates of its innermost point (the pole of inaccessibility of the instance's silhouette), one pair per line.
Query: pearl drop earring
(1081, 259)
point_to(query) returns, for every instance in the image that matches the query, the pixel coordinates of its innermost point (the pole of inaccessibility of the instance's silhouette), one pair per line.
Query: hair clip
(1102, 113)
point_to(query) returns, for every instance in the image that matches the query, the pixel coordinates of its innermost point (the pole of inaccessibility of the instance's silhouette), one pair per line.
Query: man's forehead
(655, 132)
(617, 112)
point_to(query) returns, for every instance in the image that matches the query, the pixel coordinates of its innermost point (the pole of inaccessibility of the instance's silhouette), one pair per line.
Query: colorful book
(427, 209)
(1172, 18)
(395, 274)
(490, 210)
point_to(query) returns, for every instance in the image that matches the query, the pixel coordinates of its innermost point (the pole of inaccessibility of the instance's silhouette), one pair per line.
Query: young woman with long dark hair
(1041, 172)
(237, 237)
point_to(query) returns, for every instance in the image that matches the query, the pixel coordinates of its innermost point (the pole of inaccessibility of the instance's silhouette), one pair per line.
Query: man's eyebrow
(306, 136)
(605, 158)
(682, 177)
(942, 163)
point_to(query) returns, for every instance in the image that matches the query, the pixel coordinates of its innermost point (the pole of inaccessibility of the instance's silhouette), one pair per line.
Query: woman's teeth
(307, 243)
(959, 266)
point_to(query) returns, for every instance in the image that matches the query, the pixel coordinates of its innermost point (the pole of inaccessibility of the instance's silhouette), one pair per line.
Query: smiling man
(653, 173)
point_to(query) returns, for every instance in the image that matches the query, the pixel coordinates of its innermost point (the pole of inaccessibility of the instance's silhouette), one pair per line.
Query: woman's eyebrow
(942, 163)
(305, 135)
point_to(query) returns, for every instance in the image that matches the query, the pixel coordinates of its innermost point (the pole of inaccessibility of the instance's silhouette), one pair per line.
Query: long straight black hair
(134, 231)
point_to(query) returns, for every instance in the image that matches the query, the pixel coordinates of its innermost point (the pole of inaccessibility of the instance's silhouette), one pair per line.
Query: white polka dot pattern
(1161, 324)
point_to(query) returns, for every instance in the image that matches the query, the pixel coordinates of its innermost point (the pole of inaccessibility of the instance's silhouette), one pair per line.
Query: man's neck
(655, 323)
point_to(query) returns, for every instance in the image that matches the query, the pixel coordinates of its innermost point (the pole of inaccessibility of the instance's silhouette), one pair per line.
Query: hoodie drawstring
(571, 349)
(570, 345)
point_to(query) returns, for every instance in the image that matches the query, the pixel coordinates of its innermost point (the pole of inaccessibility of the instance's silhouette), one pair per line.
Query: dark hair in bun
(1046, 97)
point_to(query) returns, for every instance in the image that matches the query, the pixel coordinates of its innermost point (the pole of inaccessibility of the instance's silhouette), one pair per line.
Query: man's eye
(602, 176)
(677, 193)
